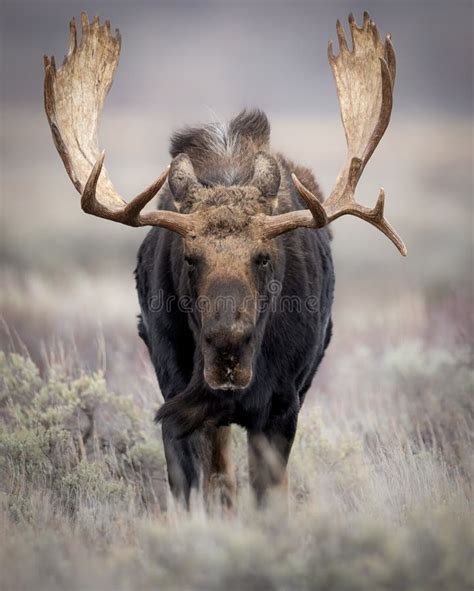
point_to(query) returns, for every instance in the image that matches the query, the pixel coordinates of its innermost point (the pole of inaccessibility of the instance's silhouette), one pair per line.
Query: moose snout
(228, 340)
(228, 334)
(228, 354)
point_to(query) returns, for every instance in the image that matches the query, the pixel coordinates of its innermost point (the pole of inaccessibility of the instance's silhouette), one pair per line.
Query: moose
(239, 231)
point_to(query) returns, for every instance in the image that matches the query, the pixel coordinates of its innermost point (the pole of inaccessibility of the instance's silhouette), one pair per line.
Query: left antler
(74, 96)
(364, 80)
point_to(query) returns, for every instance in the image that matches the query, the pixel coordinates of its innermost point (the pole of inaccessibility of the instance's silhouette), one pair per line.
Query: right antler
(74, 96)
(364, 79)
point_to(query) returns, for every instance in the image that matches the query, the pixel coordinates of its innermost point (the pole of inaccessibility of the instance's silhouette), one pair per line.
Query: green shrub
(71, 436)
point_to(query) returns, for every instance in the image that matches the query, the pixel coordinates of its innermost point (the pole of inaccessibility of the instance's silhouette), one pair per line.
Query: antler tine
(364, 79)
(131, 214)
(72, 37)
(341, 36)
(133, 209)
(128, 213)
(312, 202)
(74, 96)
(374, 216)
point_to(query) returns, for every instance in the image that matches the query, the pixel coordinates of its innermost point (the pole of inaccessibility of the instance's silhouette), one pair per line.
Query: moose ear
(182, 179)
(267, 175)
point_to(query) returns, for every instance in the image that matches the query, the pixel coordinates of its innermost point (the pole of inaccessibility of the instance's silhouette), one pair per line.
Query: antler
(364, 80)
(73, 97)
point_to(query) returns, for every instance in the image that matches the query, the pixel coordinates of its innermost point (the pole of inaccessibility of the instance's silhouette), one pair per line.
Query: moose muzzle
(228, 336)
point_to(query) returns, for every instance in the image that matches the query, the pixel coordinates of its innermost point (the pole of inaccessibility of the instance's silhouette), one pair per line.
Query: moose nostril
(208, 339)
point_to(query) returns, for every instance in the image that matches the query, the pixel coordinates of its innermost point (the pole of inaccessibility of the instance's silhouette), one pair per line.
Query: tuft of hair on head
(252, 124)
(224, 154)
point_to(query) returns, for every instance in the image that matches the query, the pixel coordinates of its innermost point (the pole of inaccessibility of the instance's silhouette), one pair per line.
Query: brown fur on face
(225, 256)
(227, 220)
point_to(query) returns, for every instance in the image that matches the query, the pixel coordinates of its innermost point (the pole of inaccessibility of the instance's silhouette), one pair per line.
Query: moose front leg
(221, 483)
(184, 463)
(201, 460)
(268, 453)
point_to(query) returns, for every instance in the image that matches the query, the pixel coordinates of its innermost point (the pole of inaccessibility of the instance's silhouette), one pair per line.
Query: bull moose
(240, 232)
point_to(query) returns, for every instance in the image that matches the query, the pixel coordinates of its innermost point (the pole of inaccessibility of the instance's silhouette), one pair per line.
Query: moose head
(228, 265)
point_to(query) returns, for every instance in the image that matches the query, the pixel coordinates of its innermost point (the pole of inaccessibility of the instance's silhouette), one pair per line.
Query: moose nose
(228, 353)
(228, 342)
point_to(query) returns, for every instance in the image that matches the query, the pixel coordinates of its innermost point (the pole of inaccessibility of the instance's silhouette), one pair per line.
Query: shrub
(71, 436)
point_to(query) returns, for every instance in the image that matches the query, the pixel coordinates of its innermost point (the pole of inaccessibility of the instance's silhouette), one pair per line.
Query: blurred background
(386, 435)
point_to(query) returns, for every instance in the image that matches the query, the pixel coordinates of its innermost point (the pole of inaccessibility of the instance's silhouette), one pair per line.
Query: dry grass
(381, 471)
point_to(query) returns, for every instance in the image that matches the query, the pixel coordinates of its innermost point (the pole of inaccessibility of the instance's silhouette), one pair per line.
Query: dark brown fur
(227, 176)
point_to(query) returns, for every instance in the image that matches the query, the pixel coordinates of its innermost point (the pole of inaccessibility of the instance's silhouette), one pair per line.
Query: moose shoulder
(235, 279)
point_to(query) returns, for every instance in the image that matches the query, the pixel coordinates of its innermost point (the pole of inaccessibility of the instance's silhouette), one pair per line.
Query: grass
(381, 471)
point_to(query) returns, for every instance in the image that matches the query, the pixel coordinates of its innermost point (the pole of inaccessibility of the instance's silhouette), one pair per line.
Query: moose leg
(268, 452)
(221, 481)
(182, 462)
(201, 459)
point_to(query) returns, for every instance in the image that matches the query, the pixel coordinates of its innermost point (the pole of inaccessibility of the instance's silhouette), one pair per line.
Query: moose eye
(263, 260)
(191, 261)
